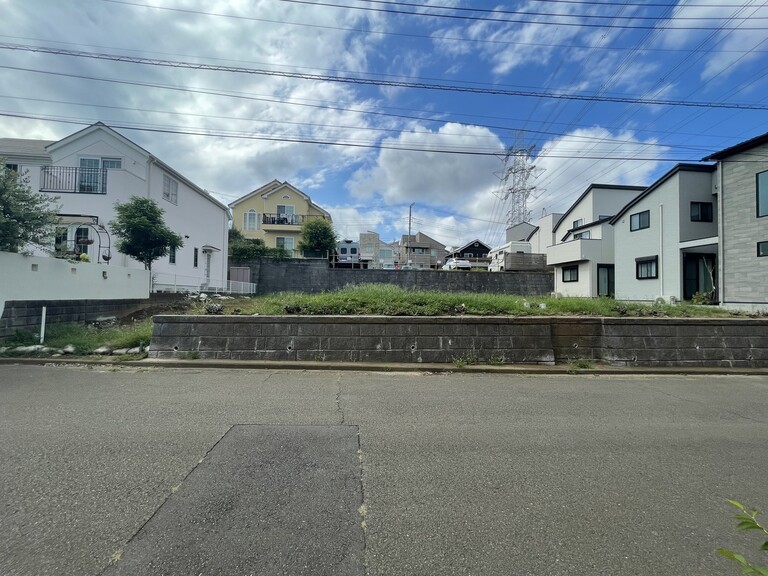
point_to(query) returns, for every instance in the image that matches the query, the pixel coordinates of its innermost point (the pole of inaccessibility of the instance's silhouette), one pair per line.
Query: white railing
(180, 283)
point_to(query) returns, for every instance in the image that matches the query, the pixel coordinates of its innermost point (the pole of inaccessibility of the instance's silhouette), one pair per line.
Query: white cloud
(399, 176)
(570, 163)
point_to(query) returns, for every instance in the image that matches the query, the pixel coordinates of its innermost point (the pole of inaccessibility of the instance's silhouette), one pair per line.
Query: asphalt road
(181, 471)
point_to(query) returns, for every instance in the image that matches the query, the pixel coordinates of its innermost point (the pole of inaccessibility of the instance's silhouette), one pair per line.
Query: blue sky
(371, 106)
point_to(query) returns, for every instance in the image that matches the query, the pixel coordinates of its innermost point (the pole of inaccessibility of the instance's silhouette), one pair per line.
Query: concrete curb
(379, 367)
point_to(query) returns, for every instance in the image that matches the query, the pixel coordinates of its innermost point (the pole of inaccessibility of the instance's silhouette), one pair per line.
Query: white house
(541, 237)
(583, 254)
(90, 170)
(666, 238)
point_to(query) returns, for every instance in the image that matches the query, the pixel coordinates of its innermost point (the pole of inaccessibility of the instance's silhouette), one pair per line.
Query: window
(762, 248)
(646, 268)
(577, 223)
(14, 167)
(701, 211)
(171, 191)
(762, 194)
(82, 240)
(353, 250)
(433, 252)
(342, 250)
(468, 254)
(386, 253)
(582, 235)
(194, 259)
(285, 214)
(251, 220)
(284, 243)
(418, 250)
(111, 163)
(640, 220)
(570, 273)
(172, 255)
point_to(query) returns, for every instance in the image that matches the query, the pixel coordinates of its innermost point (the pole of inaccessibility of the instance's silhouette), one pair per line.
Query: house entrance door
(606, 280)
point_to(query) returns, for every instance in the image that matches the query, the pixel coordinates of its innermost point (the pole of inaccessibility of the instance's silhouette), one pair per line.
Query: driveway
(182, 471)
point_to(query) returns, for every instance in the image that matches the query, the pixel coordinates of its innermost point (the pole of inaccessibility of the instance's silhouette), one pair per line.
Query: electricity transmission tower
(516, 182)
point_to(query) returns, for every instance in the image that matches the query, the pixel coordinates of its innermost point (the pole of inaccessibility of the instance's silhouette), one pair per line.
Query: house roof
(535, 229)
(737, 148)
(587, 191)
(272, 187)
(659, 182)
(527, 227)
(23, 148)
(488, 248)
(100, 126)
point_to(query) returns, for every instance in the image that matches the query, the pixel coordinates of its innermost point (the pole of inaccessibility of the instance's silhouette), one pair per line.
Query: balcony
(285, 222)
(579, 251)
(73, 180)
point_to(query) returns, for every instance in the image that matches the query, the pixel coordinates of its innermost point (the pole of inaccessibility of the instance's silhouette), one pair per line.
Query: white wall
(543, 236)
(45, 278)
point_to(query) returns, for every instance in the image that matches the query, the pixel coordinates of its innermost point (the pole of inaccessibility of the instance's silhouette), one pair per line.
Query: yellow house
(275, 213)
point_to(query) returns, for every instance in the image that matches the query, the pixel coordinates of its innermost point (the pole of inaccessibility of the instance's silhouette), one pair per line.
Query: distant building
(375, 253)
(476, 251)
(420, 251)
(275, 214)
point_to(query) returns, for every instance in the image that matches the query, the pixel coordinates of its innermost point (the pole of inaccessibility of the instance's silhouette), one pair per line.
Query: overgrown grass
(389, 300)
(86, 339)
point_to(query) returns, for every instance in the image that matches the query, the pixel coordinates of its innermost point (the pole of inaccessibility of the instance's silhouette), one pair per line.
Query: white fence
(181, 283)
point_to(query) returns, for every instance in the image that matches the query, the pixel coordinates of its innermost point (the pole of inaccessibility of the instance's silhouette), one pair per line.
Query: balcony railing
(288, 219)
(71, 179)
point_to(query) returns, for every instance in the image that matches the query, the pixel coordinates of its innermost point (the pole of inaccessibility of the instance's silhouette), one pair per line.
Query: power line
(379, 82)
(429, 37)
(514, 21)
(373, 145)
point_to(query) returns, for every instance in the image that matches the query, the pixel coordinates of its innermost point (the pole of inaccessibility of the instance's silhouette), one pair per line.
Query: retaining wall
(26, 315)
(531, 340)
(315, 276)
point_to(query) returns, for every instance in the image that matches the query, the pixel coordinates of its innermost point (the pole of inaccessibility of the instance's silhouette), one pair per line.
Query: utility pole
(408, 243)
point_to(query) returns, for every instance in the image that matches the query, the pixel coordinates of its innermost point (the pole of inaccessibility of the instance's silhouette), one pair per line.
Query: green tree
(25, 217)
(141, 231)
(318, 236)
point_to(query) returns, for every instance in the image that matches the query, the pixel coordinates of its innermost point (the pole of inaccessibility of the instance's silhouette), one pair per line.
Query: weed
(581, 363)
(467, 359)
(497, 359)
(191, 355)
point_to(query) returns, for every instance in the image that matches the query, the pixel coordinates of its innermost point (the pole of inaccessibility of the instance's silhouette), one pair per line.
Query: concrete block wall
(487, 340)
(26, 315)
(686, 342)
(314, 276)
(355, 338)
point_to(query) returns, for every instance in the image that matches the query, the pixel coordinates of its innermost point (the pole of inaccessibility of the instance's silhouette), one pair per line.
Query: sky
(370, 107)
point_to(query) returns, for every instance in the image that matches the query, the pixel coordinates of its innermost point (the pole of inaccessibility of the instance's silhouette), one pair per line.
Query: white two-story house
(666, 238)
(93, 169)
(583, 254)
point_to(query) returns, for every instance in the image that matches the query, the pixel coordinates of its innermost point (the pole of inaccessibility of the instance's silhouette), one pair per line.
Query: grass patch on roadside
(87, 338)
